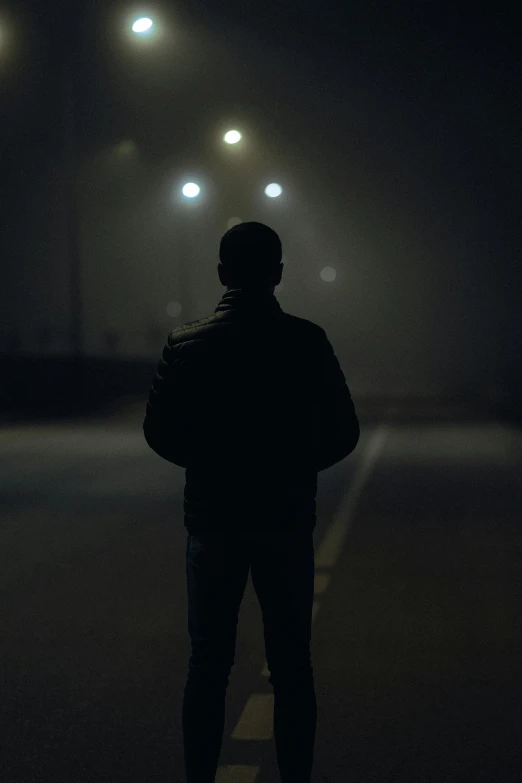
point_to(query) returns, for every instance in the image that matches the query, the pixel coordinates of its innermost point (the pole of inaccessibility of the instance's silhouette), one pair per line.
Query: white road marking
(332, 543)
(237, 773)
(255, 722)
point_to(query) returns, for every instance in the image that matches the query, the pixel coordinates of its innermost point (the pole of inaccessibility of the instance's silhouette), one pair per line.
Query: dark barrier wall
(32, 387)
(37, 385)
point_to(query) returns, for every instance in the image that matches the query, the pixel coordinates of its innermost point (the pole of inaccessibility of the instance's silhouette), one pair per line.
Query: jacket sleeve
(338, 428)
(166, 417)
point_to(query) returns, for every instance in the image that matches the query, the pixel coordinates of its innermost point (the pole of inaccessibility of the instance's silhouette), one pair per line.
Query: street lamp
(232, 137)
(190, 190)
(273, 190)
(142, 26)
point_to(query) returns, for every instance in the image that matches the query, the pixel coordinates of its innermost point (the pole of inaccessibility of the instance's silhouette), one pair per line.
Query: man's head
(250, 255)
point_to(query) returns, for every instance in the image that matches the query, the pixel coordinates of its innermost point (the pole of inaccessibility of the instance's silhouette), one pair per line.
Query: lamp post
(71, 218)
(68, 73)
(189, 193)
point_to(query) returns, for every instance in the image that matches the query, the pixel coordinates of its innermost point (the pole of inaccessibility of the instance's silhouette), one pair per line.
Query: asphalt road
(416, 633)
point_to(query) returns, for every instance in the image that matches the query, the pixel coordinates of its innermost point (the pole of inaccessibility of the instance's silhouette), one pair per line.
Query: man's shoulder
(187, 330)
(201, 326)
(306, 324)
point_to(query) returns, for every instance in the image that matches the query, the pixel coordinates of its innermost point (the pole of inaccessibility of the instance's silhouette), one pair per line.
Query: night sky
(398, 124)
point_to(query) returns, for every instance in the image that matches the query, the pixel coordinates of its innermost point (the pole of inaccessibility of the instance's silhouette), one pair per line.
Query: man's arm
(166, 414)
(339, 430)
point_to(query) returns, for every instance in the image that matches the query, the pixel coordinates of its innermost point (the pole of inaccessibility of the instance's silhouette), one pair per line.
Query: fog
(393, 134)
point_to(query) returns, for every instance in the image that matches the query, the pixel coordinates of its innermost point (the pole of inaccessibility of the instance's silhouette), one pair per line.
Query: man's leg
(217, 574)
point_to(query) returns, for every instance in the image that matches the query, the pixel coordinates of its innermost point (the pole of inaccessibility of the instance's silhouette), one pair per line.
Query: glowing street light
(190, 190)
(273, 190)
(232, 137)
(142, 25)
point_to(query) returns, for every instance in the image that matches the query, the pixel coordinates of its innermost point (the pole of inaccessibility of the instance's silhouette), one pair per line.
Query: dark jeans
(283, 567)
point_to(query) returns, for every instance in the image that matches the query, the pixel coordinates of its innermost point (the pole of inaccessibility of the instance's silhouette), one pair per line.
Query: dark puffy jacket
(253, 403)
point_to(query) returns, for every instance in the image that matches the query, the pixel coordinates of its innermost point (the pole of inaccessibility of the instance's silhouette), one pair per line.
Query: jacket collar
(246, 301)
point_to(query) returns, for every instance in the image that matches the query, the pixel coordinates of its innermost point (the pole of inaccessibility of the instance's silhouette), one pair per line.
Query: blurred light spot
(174, 309)
(233, 221)
(232, 137)
(328, 274)
(273, 190)
(127, 147)
(190, 189)
(142, 25)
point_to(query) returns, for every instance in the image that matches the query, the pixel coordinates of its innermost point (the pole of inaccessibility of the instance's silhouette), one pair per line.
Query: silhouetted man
(253, 403)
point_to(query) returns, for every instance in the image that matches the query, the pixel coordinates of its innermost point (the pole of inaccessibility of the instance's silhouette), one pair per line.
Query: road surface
(416, 631)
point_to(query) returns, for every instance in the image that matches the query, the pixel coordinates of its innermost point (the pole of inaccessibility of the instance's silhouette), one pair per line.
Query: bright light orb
(190, 190)
(273, 190)
(232, 137)
(142, 25)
